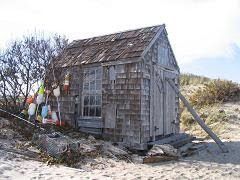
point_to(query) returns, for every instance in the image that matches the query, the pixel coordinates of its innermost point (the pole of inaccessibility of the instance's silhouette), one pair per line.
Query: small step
(175, 140)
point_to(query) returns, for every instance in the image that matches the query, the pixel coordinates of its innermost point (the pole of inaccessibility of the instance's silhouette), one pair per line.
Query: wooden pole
(197, 118)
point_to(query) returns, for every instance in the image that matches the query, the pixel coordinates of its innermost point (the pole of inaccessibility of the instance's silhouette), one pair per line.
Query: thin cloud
(197, 29)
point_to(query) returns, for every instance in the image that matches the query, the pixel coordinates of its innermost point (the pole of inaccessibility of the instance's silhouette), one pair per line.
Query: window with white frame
(92, 92)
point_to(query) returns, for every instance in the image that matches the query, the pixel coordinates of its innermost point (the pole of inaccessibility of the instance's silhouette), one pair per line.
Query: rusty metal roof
(118, 46)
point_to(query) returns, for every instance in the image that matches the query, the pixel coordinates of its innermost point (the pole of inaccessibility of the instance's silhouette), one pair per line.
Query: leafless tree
(23, 64)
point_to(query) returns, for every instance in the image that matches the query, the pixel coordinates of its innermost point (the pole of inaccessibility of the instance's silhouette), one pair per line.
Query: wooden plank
(198, 119)
(170, 139)
(157, 159)
(90, 123)
(110, 115)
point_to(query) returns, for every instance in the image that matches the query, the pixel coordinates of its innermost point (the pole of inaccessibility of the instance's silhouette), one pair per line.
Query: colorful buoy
(31, 109)
(44, 112)
(30, 100)
(54, 116)
(66, 82)
(56, 91)
(41, 89)
(40, 99)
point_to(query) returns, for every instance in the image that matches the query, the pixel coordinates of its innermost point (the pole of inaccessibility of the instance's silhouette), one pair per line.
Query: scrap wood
(156, 159)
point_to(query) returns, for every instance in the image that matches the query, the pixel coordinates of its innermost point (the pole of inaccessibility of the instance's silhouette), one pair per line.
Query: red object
(66, 88)
(58, 123)
(30, 100)
(51, 121)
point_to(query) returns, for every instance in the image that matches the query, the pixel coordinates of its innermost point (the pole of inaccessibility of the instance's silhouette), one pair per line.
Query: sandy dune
(208, 164)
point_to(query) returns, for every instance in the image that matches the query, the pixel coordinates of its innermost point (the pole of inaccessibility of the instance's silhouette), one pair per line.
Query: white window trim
(92, 92)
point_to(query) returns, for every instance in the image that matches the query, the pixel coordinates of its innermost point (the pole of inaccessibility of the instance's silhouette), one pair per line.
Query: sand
(210, 163)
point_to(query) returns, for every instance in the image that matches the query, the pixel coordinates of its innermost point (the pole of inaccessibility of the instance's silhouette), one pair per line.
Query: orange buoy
(30, 100)
(66, 82)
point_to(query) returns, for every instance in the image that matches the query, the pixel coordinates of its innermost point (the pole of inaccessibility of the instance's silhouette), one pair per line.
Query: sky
(204, 34)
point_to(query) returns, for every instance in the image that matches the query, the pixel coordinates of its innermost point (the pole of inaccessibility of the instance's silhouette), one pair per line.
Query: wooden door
(157, 100)
(170, 105)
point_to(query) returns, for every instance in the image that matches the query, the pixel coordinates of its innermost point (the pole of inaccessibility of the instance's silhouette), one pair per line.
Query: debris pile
(167, 152)
(86, 152)
(74, 152)
(163, 152)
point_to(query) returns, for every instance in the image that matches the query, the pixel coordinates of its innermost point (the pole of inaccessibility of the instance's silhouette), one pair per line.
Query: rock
(165, 149)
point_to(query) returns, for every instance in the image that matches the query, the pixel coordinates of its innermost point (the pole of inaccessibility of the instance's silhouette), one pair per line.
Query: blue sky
(205, 34)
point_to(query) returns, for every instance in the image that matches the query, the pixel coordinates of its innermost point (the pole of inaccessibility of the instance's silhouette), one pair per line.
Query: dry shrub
(214, 91)
(191, 79)
(216, 119)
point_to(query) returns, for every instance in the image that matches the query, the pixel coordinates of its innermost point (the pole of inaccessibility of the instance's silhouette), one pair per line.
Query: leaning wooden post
(197, 118)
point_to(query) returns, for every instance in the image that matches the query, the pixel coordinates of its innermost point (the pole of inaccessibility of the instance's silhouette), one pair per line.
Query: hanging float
(40, 98)
(31, 109)
(66, 83)
(30, 100)
(44, 112)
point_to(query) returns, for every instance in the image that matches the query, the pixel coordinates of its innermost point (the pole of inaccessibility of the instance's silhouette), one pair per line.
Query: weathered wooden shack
(118, 86)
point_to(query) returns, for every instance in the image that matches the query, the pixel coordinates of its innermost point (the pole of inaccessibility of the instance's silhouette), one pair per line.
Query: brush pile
(65, 150)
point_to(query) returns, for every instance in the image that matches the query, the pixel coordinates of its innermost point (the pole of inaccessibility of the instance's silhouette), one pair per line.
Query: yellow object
(41, 89)
(39, 118)
(24, 112)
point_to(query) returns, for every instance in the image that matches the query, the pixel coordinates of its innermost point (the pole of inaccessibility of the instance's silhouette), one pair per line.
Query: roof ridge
(124, 31)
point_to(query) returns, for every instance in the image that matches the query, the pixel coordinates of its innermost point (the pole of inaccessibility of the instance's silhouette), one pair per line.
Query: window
(92, 86)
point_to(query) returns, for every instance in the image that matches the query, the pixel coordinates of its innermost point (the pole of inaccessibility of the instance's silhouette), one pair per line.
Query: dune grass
(207, 100)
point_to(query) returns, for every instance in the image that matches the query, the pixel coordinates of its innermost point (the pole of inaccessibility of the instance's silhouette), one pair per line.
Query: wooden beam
(153, 40)
(197, 118)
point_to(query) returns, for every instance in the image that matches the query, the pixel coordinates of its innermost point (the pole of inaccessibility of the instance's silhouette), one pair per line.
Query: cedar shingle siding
(137, 104)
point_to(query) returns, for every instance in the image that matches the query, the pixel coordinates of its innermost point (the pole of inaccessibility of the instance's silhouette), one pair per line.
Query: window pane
(86, 75)
(92, 100)
(86, 100)
(92, 85)
(92, 74)
(98, 100)
(98, 111)
(98, 84)
(86, 111)
(98, 74)
(92, 111)
(86, 86)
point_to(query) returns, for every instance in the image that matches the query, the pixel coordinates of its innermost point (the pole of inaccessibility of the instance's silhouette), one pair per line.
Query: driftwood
(156, 159)
(176, 140)
(198, 119)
